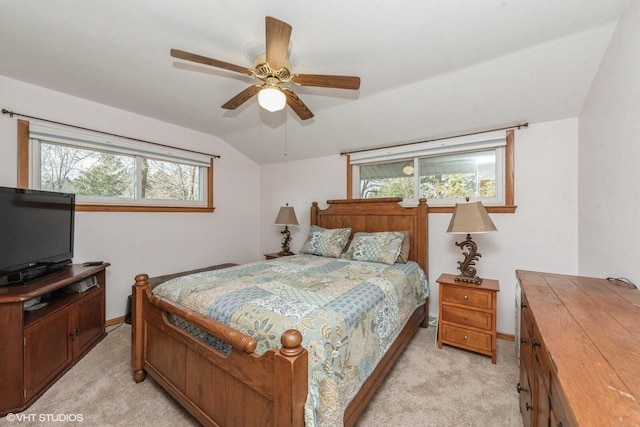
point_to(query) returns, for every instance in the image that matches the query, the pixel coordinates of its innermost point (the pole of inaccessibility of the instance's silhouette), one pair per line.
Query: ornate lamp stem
(286, 250)
(467, 267)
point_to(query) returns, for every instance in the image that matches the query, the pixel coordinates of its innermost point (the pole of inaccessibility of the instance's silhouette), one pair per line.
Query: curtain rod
(344, 153)
(13, 113)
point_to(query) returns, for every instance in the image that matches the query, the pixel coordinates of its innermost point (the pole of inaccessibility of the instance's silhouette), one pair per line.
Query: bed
(241, 386)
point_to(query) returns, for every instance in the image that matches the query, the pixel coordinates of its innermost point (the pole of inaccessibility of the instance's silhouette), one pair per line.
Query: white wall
(153, 243)
(298, 183)
(609, 152)
(541, 235)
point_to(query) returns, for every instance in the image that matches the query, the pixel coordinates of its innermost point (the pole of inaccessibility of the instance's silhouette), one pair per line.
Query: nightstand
(468, 315)
(274, 255)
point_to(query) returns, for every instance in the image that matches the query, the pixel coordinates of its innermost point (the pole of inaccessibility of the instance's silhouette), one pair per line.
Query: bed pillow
(403, 256)
(329, 242)
(383, 247)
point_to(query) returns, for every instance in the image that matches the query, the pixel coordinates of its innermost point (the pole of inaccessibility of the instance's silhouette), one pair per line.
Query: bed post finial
(314, 213)
(291, 341)
(141, 279)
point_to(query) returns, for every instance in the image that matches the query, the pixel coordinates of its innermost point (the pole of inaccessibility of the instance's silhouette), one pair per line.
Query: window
(444, 172)
(115, 173)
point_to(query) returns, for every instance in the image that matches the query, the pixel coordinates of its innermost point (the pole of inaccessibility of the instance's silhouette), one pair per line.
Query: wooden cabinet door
(526, 374)
(542, 405)
(526, 401)
(48, 350)
(11, 355)
(89, 322)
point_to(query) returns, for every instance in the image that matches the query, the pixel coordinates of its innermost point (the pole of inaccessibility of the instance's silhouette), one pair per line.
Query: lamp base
(468, 279)
(285, 243)
(467, 267)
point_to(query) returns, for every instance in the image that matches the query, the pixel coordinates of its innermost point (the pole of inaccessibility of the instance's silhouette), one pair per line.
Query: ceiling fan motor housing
(263, 71)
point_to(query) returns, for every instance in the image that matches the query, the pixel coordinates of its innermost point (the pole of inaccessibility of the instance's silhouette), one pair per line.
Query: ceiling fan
(273, 69)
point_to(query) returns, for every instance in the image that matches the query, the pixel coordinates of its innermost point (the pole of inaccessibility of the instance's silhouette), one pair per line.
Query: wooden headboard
(371, 215)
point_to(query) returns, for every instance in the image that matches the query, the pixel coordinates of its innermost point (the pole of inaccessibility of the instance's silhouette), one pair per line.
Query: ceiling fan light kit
(274, 70)
(271, 98)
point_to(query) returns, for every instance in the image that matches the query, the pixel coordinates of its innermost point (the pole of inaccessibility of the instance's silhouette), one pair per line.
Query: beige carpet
(427, 387)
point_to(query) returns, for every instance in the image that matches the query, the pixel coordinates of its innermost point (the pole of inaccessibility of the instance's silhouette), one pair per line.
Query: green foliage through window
(99, 174)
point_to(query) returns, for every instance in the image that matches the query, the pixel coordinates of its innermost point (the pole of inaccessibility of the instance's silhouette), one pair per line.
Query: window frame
(24, 172)
(508, 167)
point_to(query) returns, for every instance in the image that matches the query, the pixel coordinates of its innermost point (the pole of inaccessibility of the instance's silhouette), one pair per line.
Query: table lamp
(470, 217)
(286, 217)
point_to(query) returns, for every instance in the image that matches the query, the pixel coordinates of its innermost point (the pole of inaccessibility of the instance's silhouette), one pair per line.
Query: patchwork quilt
(349, 314)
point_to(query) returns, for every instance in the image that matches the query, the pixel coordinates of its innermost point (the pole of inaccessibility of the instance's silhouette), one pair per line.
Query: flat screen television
(36, 233)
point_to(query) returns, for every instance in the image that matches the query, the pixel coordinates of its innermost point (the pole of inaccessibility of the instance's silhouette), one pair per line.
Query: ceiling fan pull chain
(286, 133)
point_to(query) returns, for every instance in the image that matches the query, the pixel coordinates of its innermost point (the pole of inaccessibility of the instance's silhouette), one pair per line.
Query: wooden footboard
(242, 389)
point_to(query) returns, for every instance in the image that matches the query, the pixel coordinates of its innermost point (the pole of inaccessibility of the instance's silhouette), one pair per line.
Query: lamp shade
(287, 216)
(272, 99)
(469, 218)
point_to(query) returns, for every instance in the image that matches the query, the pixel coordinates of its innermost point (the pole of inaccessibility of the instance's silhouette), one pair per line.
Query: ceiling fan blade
(297, 105)
(181, 54)
(319, 80)
(278, 34)
(242, 97)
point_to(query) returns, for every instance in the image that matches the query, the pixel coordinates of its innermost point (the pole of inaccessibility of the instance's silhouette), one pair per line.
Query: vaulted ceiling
(429, 68)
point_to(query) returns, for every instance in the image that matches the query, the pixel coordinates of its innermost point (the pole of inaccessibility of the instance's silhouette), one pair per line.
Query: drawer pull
(466, 297)
(535, 343)
(523, 305)
(466, 317)
(529, 407)
(466, 337)
(520, 388)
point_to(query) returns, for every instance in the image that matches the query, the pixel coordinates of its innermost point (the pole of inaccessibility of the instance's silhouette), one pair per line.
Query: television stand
(39, 346)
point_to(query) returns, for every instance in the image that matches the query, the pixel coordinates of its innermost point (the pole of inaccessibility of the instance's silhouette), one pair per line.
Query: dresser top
(486, 284)
(590, 328)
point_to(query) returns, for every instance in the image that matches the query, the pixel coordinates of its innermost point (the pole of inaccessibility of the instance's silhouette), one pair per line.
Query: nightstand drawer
(466, 338)
(462, 316)
(466, 296)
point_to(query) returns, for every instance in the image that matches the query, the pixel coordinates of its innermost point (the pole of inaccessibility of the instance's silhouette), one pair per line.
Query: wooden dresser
(579, 351)
(468, 314)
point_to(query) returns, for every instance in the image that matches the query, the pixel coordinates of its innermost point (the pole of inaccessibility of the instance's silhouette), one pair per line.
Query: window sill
(490, 209)
(126, 208)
